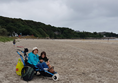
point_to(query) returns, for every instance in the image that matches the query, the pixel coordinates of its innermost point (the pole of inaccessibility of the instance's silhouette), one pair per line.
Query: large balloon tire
(55, 77)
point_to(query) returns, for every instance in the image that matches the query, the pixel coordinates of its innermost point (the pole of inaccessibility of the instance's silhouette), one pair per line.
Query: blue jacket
(33, 59)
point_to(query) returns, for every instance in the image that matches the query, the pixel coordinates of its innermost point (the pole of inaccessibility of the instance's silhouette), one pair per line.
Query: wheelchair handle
(19, 50)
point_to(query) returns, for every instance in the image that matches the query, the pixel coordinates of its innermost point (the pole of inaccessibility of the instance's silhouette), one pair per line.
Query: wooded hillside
(41, 30)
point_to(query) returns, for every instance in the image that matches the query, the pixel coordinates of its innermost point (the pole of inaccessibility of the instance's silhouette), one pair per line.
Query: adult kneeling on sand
(33, 59)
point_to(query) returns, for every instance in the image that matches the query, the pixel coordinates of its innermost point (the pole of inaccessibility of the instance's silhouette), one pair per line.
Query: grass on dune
(6, 39)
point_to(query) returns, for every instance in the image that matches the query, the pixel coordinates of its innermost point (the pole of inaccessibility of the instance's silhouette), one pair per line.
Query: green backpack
(27, 73)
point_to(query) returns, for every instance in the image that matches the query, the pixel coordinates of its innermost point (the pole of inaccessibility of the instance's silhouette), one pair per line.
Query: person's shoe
(52, 67)
(51, 70)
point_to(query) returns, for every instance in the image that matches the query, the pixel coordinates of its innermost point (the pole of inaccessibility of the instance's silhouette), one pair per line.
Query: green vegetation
(3, 31)
(107, 34)
(41, 30)
(5, 39)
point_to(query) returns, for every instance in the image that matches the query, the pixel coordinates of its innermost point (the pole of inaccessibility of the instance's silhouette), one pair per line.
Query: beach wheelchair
(28, 71)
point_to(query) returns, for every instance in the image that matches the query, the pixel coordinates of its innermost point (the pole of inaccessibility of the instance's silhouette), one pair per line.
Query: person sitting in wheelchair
(33, 60)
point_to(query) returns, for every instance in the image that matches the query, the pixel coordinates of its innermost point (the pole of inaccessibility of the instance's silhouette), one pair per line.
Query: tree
(41, 30)
(3, 31)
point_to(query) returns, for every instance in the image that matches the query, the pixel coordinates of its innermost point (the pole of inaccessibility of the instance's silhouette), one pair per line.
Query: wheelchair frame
(54, 76)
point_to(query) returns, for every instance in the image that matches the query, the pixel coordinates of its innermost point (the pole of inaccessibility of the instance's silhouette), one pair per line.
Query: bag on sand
(27, 73)
(19, 67)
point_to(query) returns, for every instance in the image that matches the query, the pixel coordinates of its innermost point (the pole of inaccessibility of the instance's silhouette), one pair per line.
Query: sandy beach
(76, 61)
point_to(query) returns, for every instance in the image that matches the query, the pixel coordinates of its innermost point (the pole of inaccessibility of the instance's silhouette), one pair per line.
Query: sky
(81, 15)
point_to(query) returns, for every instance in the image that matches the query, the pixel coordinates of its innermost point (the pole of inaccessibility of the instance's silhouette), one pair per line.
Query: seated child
(43, 58)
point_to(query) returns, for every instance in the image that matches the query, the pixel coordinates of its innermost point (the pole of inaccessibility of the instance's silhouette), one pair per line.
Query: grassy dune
(6, 39)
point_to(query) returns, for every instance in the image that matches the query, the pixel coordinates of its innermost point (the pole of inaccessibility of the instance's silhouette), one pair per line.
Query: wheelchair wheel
(55, 77)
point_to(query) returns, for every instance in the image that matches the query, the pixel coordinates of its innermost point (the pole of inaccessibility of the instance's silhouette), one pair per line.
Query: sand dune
(77, 61)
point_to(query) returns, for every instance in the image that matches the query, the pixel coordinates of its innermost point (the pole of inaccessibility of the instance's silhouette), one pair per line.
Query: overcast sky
(82, 15)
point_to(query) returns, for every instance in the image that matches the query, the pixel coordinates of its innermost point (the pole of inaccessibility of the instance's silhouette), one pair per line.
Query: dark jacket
(44, 59)
(14, 41)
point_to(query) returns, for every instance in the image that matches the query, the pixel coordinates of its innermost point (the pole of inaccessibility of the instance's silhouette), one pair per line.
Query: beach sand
(76, 61)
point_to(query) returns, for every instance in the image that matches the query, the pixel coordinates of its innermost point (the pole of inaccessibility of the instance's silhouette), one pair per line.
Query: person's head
(43, 54)
(35, 50)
